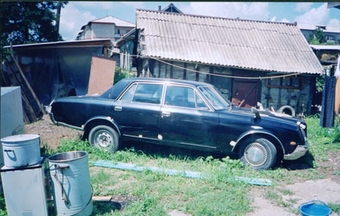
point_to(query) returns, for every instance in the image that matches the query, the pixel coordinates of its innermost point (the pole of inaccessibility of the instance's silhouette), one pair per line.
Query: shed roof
(64, 44)
(247, 44)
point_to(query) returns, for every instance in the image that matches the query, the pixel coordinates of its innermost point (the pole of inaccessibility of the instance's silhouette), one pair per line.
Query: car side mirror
(256, 112)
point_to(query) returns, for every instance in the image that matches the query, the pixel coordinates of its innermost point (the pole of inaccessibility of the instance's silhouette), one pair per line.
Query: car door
(185, 119)
(137, 111)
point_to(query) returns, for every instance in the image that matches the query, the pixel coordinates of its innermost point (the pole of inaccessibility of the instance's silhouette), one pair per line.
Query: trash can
(71, 183)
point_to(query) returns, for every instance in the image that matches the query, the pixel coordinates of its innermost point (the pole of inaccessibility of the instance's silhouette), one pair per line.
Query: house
(170, 8)
(107, 27)
(327, 54)
(331, 34)
(248, 61)
(333, 5)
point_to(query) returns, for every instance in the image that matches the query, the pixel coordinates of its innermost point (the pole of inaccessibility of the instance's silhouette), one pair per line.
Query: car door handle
(118, 108)
(165, 114)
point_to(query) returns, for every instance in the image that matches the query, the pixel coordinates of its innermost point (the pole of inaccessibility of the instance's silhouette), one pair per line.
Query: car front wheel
(104, 137)
(260, 154)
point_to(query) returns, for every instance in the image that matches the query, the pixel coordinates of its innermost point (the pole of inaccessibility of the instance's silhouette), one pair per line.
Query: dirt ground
(324, 189)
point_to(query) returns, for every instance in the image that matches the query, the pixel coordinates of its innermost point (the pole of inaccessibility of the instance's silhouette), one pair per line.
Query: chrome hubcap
(255, 154)
(104, 139)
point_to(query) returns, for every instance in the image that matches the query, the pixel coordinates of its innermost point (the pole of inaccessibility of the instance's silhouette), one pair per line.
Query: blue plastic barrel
(315, 208)
(71, 183)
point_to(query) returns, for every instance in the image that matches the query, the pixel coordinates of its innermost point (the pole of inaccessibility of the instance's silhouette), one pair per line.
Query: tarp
(55, 71)
(337, 88)
(328, 96)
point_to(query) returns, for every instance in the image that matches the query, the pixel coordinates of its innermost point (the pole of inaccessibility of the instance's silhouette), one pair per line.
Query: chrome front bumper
(300, 151)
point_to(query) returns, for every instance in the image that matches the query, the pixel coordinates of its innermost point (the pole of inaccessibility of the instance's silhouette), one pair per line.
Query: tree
(29, 22)
(317, 37)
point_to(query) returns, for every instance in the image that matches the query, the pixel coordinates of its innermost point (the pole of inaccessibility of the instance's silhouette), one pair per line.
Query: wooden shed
(248, 61)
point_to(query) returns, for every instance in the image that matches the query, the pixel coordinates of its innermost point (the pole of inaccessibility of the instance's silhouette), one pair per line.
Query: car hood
(267, 114)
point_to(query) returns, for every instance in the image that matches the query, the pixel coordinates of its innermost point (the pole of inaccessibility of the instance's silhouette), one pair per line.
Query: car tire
(104, 137)
(260, 154)
(288, 110)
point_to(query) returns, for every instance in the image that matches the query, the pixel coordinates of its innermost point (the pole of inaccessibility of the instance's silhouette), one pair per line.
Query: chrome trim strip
(182, 143)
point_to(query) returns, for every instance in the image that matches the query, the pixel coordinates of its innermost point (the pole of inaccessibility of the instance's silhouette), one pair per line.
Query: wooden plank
(101, 75)
(337, 96)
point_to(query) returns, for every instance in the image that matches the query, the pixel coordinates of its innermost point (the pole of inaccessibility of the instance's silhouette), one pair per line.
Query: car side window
(148, 93)
(200, 103)
(128, 95)
(180, 96)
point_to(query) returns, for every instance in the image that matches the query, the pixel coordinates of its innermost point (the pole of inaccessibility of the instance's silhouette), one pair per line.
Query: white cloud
(303, 7)
(256, 11)
(335, 23)
(135, 5)
(72, 19)
(316, 16)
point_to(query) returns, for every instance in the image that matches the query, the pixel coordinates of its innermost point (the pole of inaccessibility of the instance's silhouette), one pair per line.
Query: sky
(76, 14)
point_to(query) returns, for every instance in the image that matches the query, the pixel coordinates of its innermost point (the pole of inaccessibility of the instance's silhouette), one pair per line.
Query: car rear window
(116, 89)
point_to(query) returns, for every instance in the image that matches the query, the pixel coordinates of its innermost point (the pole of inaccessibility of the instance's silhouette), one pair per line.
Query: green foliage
(323, 135)
(317, 37)
(121, 74)
(320, 82)
(334, 207)
(3, 211)
(29, 22)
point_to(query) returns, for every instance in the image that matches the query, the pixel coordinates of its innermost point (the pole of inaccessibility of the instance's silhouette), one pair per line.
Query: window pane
(127, 97)
(180, 96)
(148, 93)
(214, 98)
(200, 103)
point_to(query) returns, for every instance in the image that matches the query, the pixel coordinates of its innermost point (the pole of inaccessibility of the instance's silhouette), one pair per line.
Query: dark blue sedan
(184, 114)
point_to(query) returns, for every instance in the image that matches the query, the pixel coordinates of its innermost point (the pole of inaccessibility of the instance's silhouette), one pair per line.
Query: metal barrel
(71, 183)
(21, 150)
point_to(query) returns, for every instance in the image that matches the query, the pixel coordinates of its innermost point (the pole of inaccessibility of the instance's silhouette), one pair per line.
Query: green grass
(152, 193)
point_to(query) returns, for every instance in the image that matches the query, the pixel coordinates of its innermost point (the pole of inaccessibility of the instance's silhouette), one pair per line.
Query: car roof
(178, 81)
(117, 88)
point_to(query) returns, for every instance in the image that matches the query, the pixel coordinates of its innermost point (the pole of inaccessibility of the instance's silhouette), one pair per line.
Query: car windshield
(214, 98)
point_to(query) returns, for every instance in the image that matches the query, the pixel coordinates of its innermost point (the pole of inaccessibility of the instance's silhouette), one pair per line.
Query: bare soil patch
(326, 189)
(50, 134)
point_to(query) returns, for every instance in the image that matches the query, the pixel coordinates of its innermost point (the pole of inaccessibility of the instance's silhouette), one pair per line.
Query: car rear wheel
(260, 154)
(104, 137)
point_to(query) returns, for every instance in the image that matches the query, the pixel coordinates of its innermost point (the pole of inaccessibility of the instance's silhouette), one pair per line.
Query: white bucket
(21, 150)
(71, 183)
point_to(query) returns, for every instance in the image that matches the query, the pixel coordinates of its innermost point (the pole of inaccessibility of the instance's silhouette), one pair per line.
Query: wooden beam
(28, 84)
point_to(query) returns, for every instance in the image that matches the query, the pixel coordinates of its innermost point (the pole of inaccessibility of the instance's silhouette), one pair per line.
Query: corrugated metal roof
(247, 44)
(326, 47)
